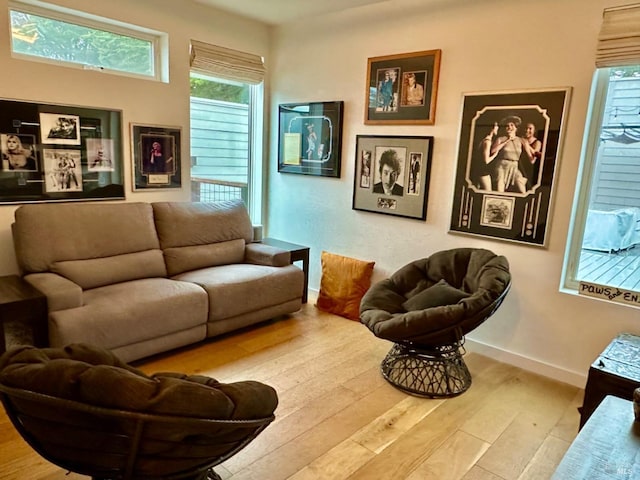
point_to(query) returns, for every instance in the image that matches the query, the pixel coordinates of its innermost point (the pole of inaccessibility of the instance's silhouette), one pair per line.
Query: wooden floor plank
(453, 459)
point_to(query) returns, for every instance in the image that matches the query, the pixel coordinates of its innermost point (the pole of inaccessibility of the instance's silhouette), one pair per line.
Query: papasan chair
(83, 409)
(426, 308)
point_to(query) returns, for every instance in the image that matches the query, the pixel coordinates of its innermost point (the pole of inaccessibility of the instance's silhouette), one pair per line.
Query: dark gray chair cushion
(480, 275)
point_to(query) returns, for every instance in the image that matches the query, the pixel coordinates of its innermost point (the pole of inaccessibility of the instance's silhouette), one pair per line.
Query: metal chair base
(434, 372)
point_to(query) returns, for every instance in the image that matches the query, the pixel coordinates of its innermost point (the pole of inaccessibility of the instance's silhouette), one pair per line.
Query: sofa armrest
(61, 293)
(261, 254)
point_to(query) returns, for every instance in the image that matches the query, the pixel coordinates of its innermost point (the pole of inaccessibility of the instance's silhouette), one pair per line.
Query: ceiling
(277, 12)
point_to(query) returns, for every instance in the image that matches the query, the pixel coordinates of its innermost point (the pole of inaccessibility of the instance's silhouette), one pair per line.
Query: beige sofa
(143, 278)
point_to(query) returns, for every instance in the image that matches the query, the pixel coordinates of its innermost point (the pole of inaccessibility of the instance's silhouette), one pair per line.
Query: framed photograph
(509, 151)
(402, 89)
(392, 175)
(60, 128)
(48, 150)
(310, 138)
(156, 156)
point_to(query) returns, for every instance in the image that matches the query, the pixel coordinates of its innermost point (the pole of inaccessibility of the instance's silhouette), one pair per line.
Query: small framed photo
(100, 155)
(60, 128)
(310, 138)
(392, 175)
(156, 156)
(62, 170)
(402, 89)
(18, 152)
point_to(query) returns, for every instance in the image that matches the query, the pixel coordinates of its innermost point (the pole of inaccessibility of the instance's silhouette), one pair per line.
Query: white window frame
(588, 156)
(159, 41)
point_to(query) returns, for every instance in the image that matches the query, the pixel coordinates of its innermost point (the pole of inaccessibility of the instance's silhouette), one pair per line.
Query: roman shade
(226, 63)
(619, 39)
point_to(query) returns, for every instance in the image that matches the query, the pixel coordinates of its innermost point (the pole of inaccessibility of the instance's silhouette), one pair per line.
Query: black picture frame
(310, 138)
(402, 89)
(503, 189)
(46, 151)
(155, 170)
(406, 194)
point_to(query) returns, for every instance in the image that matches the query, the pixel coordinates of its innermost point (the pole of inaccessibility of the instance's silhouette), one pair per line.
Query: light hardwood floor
(339, 419)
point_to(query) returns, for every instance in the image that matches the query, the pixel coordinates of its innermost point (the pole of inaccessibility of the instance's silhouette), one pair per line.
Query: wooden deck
(617, 269)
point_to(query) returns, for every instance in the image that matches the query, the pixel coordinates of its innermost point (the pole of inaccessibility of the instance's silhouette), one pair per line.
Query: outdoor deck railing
(210, 190)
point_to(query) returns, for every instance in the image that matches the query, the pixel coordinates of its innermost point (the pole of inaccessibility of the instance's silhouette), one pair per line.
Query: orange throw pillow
(343, 284)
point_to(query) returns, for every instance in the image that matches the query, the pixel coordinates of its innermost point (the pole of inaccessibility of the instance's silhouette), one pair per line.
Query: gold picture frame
(402, 89)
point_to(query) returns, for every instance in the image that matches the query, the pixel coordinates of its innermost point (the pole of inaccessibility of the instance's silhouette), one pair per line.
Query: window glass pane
(220, 139)
(69, 42)
(610, 249)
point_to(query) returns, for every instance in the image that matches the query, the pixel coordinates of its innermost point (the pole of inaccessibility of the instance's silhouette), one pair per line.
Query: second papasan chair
(426, 308)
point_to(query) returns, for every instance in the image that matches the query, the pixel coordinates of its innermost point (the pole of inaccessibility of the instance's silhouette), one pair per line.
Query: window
(84, 41)
(226, 126)
(604, 240)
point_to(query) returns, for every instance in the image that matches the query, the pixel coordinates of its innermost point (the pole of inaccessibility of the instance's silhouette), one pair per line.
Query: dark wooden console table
(616, 371)
(21, 302)
(607, 446)
(299, 253)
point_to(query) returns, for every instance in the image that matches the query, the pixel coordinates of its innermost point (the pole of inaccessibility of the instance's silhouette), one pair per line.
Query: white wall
(486, 45)
(141, 101)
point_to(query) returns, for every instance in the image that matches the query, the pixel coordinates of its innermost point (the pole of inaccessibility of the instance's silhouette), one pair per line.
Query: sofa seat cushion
(237, 289)
(130, 312)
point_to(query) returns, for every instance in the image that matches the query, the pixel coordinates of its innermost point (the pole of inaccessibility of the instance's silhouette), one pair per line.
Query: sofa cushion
(129, 312)
(184, 259)
(183, 224)
(98, 272)
(48, 233)
(77, 372)
(240, 288)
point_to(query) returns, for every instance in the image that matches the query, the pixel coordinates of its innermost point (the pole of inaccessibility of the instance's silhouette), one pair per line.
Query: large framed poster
(59, 153)
(508, 154)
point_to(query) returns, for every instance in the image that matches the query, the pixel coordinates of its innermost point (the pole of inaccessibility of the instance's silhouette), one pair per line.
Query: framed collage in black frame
(155, 151)
(508, 155)
(392, 175)
(59, 153)
(310, 138)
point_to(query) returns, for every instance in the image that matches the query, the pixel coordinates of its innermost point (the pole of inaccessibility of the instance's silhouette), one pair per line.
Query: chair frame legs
(433, 372)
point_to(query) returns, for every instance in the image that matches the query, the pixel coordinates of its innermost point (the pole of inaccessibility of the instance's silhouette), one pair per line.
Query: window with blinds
(603, 250)
(226, 125)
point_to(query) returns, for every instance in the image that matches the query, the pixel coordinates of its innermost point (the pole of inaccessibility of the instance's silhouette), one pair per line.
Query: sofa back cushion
(60, 237)
(199, 235)
(98, 272)
(185, 259)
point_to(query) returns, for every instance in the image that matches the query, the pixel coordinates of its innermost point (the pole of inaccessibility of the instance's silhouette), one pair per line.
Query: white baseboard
(572, 378)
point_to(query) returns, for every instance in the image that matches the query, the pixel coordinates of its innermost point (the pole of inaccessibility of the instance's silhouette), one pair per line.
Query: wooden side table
(607, 446)
(21, 302)
(299, 253)
(616, 371)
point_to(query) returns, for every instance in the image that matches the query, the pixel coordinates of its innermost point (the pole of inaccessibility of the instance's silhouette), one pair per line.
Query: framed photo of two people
(402, 89)
(392, 175)
(508, 155)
